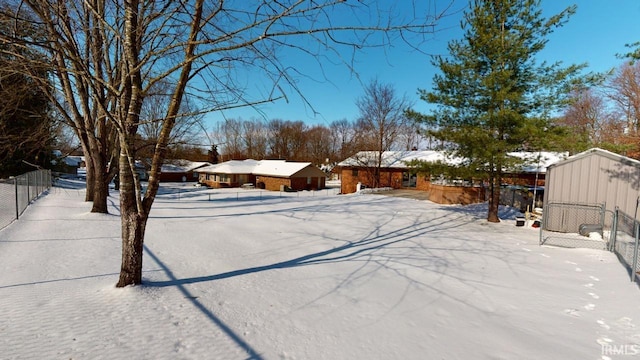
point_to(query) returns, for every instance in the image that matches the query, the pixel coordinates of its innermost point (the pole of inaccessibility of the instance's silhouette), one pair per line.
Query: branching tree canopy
(492, 96)
(112, 54)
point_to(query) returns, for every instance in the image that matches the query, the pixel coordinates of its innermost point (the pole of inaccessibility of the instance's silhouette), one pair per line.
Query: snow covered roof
(535, 161)
(178, 166)
(230, 167)
(539, 161)
(395, 159)
(601, 152)
(279, 168)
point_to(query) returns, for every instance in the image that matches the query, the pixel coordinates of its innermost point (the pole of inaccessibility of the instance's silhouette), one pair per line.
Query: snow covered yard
(322, 277)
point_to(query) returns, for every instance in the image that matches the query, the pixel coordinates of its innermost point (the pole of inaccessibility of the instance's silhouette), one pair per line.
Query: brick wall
(388, 178)
(456, 194)
(272, 183)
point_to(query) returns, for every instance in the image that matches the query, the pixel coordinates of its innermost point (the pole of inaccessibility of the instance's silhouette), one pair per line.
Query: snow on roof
(182, 166)
(395, 159)
(539, 161)
(281, 168)
(602, 152)
(231, 167)
(535, 161)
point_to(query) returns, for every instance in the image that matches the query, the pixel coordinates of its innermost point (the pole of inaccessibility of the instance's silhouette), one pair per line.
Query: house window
(354, 172)
(308, 180)
(409, 180)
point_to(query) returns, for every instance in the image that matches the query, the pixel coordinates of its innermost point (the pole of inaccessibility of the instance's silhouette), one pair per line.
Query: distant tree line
(380, 126)
(298, 141)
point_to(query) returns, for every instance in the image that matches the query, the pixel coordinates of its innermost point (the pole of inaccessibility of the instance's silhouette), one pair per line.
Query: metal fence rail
(575, 226)
(16, 194)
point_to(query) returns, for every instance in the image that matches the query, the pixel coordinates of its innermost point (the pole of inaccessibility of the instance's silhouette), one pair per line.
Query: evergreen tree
(26, 129)
(492, 96)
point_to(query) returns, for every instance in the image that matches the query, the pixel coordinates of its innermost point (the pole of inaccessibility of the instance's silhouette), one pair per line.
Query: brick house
(395, 173)
(272, 175)
(180, 170)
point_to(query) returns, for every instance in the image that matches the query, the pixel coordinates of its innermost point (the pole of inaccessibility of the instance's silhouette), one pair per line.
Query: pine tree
(492, 96)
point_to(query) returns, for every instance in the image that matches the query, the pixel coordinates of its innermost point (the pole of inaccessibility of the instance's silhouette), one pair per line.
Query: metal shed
(595, 176)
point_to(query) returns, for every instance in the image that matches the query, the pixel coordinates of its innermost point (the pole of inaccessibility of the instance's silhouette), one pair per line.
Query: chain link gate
(575, 226)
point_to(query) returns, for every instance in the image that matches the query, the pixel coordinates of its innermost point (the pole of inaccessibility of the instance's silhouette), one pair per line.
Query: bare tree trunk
(100, 188)
(90, 175)
(133, 223)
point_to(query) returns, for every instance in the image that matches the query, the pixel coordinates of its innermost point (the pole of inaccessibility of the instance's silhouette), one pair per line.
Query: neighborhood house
(276, 175)
(359, 170)
(180, 170)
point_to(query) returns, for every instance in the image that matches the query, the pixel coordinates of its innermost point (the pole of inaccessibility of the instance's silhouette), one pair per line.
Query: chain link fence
(16, 193)
(592, 226)
(624, 242)
(575, 226)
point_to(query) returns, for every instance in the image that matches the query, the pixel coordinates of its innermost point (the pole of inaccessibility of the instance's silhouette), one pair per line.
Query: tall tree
(382, 119)
(26, 124)
(112, 53)
(587, 117)
(492, 96)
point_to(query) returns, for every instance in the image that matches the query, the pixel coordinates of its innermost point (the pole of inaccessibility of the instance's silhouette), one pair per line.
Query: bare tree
(111, 54)
(318, 149)
(286, 139)
(382, 119)
(344, 139)
(586, 116)
(230, 134)
(624, 90)
(185, 131)
(255, 139)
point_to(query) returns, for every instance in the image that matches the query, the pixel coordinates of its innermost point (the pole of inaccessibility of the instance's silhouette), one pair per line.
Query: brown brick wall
(271, 183)
(523, 179)
(423, 183)
(456, 194)
(388, 178)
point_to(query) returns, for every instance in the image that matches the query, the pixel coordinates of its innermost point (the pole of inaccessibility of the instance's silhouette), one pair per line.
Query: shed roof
(599, 152)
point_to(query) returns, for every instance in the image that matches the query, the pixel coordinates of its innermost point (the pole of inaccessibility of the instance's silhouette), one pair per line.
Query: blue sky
(594, 35)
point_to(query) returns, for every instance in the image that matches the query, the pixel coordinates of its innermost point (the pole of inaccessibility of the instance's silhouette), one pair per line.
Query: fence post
(614, 230)
(542, 224)
(28, 188)
(15, 183)
(635, 251)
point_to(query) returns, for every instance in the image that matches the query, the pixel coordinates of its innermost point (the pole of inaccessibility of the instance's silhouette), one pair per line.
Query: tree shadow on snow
(370, 249)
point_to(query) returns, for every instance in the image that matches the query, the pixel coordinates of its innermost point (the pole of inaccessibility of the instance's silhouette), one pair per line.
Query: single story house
(273, 175)
(180, 170)
(395, 173)
(595, 176)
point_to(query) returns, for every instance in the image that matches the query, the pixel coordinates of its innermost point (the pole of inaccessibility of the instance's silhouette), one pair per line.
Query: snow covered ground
(305, 277)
